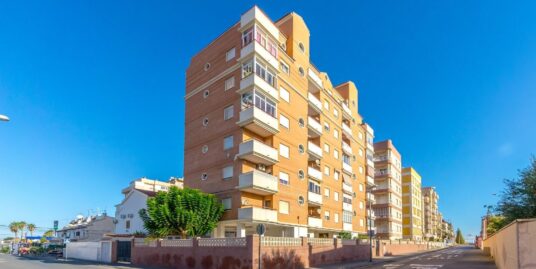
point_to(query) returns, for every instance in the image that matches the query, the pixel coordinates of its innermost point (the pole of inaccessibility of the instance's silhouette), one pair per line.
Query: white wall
(132, 205)
(90, 251)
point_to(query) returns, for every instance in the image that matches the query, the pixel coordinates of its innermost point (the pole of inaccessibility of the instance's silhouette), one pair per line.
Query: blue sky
(95, 92)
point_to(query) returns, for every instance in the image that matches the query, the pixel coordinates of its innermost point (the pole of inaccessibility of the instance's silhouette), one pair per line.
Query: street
(460, 257)
(15, 262)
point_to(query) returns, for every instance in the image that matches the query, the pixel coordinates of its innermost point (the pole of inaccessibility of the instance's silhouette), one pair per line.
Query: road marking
(392, 265)
(425, 266)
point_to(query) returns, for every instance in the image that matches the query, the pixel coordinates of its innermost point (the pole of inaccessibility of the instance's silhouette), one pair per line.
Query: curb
(398, 258)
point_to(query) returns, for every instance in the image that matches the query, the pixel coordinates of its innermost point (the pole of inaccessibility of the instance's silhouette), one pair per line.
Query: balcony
(314, 222)
(315, 152)
(257, 214)
(346, 112)
(370, 180)
(314, 103)
(258, 121)
(254, 81)
(314, 198)
(314, 127)
(347, 227)
(315, 78)
(380, 173)
(370, 162)
(346, 130)
(257, 152)
(257, 49)
(347, 149)
(347, 207)
(258, 182)
(347, 168)
(255, 15)
(347, 188)
(314, 173)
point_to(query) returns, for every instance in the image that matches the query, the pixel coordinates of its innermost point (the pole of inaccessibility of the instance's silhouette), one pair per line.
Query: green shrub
(5, 249)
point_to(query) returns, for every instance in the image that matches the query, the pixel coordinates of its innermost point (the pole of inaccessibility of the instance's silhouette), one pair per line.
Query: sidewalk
(375, 261)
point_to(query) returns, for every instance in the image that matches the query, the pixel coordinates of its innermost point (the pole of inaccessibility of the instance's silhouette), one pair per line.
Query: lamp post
(3, 118)
(369, 193)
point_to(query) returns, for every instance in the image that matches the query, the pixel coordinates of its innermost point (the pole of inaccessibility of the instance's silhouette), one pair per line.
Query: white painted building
(87, 229)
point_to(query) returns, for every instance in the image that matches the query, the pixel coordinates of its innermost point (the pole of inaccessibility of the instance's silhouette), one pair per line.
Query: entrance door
(123, 251)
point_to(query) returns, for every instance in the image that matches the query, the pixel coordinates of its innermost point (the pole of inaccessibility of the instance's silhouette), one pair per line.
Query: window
(283, 207)
(127, 224)
(302, 47)
(301, 71)
(301, 122)
(301, 149)
(265, 42)
(205, 121)
(360, 152)
(326, 104)
(207, 66)
(347, 217)
(262, 71)
(227, 172)
(229, 83)
(326, 215)
(326, 126)
(283, 151)
(361, 222)
(361, 187)
(284, 121)
(247, 69)
(313, 187)
(360, 205)
(204, 176)
(226, 202)
(204, 149)
(284, 67)
(336, 217)
(260, 101)
(360, 135)
(326, 170)
(326, 192)
(301, 174)
(228, 142)
(335, 113)
(336, 175)
(230, 54)
(301, 200)
(247, 37)
(336, 133)
(206, 93)
(284, 94)
(336, 196)
(228, 112)
(336, 154)
(283, 178)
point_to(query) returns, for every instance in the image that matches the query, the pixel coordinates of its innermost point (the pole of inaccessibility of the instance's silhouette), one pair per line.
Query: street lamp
(369, 193)
(3, 118)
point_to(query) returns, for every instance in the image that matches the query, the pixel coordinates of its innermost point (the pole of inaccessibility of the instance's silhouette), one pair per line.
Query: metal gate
(123, 251)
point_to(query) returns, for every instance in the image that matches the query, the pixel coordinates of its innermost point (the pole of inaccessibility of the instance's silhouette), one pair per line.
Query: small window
(361, 204)
(284, 94)
(326, 148)
(283, 178)
(228, 142)
(360, 152)
(336, 175)
(284, 150)
(204, 149)
(336, 196)
(326, 192)
(301, 149)
(326, 215)
(326, 126)
(302, 47)
(336, 133)
(207, 66)
(361, 187)
(326, 104)
(336, 217)
(301, 200)
(227, 172)
(361, 222)
(204, 176)
(228, 112)
(336, 154)
(301, 122)
(326, 170)
(206, 93)
(335, 113)
(230, 54)
(284, 121)
(205, 121)
(301, 174)
(127, 224)
(229, 83)
(360, 169)
(300, 70)
(227, 203)
(283, 207)
(284, 67)
(360, 135)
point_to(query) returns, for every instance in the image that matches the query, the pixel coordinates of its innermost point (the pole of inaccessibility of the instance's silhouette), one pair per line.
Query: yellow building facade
(412, 215)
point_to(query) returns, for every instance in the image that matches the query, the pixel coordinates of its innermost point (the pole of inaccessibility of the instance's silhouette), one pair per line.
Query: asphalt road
(460, 257)
(14, 262)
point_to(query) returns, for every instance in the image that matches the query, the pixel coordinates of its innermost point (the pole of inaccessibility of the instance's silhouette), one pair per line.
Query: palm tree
(14, 228)
(31, 228)
(21, 225)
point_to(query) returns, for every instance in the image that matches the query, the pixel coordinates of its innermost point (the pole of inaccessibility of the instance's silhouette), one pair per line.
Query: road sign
(55, 225)
(261, 229)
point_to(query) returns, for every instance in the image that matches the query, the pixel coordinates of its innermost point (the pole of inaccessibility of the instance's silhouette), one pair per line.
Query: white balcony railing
(257, 152)
(258, 121)
(347, 113)
(347, 188)
(314, 198)
(258, 182)
(314, 150)
(346, 148)
(314, 126)
(316, 104)
(370, 180)
(314, 173)
(346, 130)
(347, 207)
(256, 15)
(314, 222)
(254, 81)
(315, 78)
(257, 213)
(347, 168)
(258, 49)
(347, 227)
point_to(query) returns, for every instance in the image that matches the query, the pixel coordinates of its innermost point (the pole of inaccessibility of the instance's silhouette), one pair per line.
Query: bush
(5, 250)
(36, 250)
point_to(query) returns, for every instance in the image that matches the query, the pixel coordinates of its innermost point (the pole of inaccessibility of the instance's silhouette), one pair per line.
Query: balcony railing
(314, 102)
(380, 173)
(258, 121)
(347, 188)
(346, 130)
(315, 128)
(254, 81)
(257, 213)
(346, 148)
(347, 227)
(347, 113)
(314, 222)
(347, 168)
(314, 173)
(315, 152)
(257, 152)
(347, 207)
(315, 78)
(258, 49)
(258, 182)
(314, 198)
(370, 180)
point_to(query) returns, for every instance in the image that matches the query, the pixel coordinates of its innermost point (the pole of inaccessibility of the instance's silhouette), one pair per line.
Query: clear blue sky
(95, 92)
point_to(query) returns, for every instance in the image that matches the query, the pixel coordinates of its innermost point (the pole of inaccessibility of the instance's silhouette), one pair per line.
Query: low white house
(87, 229)
(127, 218)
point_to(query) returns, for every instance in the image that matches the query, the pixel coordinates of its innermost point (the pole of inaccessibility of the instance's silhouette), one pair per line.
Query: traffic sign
(55, 225)
(261, 229)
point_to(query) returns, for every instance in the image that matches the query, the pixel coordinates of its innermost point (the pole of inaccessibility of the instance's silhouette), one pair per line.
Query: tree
(49, 233)
(494, 224)
(31, 228)
(21, 225)
(14, 228)
(459, 237)
(518, 199)
(184, 212)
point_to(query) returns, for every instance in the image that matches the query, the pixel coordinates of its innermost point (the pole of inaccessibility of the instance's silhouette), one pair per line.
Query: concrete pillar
(240, 230)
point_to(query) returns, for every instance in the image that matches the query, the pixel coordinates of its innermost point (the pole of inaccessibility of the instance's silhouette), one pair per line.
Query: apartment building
(388, 190)
(411, 204)
(370, 199)
(146, 184)
(430, 200)
(269, 134)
